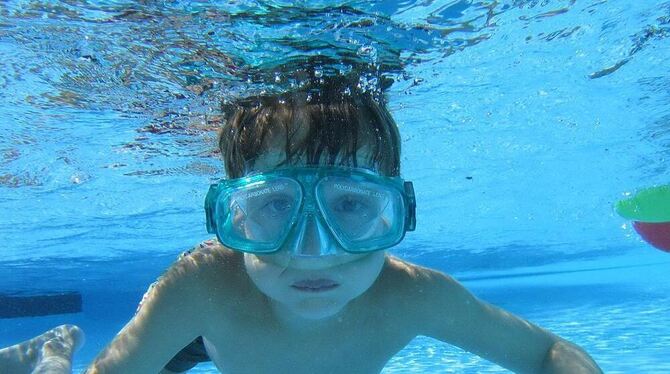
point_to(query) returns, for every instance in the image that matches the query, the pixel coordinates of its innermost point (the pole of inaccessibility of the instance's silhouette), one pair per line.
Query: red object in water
(654, 233)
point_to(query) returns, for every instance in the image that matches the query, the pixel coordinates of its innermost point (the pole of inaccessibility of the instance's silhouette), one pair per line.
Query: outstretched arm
(455, 316)
(157, 331)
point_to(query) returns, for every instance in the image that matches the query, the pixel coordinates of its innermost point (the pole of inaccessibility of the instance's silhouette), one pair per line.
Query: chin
(318, 308)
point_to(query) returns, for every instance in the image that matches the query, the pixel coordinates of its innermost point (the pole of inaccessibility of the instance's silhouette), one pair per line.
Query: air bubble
(368, 51)
(346, 69)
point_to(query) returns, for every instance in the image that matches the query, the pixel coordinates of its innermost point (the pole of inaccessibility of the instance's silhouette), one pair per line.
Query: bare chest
(350, 348)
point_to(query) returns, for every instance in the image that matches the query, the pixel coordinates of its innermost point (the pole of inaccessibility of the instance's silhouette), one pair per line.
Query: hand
(567, 358)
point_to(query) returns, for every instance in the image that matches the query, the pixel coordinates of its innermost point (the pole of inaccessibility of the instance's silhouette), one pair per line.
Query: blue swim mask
(352, 209)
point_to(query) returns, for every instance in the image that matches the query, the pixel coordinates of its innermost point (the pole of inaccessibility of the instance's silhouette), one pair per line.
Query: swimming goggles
(263, 213)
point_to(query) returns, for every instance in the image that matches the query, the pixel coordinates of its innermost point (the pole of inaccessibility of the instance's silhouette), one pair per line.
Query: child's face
(312, 287)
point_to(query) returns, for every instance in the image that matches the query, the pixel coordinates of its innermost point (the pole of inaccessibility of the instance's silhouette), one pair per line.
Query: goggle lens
(259, 215)
(361, 214)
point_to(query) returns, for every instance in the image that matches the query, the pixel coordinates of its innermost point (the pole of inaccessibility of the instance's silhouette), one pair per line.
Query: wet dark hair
(322, 124)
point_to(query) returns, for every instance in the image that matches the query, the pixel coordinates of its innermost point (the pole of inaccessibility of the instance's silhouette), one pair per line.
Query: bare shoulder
(421, 291)
(209, 267)
(207, 270)
(208, 257)
(416, 280)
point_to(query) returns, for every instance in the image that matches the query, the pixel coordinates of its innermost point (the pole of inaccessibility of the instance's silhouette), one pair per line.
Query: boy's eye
(277, 206)
(350, 205)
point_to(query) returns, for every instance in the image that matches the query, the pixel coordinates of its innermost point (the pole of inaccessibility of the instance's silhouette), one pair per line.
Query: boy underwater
(298, 280)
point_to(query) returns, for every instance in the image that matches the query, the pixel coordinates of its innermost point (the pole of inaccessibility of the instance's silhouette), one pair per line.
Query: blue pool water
(523, 122)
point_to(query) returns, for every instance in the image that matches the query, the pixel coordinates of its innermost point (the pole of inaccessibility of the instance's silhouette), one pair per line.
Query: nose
(312, 238)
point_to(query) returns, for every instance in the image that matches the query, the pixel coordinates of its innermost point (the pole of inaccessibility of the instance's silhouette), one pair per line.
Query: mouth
(315, 285)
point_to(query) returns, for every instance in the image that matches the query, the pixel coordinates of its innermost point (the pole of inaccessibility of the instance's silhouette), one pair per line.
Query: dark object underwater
(14, 306)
